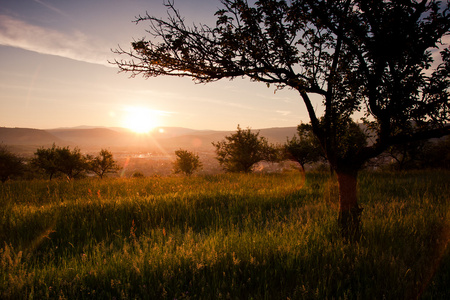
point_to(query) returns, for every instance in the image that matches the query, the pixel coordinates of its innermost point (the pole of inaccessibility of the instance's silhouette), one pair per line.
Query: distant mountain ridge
(88, 136)
(102, 137)
(27, 136)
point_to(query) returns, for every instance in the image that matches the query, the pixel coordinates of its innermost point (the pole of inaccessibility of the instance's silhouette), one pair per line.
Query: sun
(140, 119)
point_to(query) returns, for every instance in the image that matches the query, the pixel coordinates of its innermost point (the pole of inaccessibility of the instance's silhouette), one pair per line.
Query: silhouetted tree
(186, 162)
(407, 156)
(60, 160)
(369, 56)
(46, 160)
(103, 163)
(240, 151)
(10, 164)
(421, 155)
(71, 162)
(304, 147)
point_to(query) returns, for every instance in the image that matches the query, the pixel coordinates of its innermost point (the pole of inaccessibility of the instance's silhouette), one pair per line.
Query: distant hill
(120, 137)
(278, 135)
(27, 136)
(90, 136)
(164, 138)
(202, 140)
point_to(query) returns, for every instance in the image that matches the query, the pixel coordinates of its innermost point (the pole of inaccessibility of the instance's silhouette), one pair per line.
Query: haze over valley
(149, 153)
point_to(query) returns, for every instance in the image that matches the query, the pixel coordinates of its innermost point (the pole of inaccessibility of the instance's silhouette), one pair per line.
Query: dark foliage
(10, 164)
(186, 162)
(60, 160)
(304, 147)
(240, 151)
(103, 163)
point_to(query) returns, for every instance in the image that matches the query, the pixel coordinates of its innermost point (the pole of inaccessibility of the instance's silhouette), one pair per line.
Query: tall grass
(224, 237)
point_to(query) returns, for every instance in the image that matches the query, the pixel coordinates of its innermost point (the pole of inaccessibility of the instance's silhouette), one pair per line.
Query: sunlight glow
(140, 119)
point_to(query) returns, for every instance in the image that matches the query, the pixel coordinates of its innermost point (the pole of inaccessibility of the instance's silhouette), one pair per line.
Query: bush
(137, 175)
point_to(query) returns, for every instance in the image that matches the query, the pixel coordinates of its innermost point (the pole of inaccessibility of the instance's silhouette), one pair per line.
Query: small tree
(46, 160)
(186, 162)
(240, 151)
(137, 174)
(10, 164)
(304, 147)
(71, 163)
(103, 163)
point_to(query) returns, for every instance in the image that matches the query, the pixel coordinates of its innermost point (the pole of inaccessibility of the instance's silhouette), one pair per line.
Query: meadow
(226, 236)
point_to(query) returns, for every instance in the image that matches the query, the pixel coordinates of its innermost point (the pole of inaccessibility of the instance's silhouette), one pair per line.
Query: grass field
(226, 236)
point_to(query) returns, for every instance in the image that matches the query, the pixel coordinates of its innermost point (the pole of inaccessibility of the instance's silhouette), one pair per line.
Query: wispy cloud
(284, 112)
(51, 8)
(76, 45)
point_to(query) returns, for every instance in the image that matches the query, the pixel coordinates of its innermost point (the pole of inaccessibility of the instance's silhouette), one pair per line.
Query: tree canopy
(60, 160)
(240, 151)
(103, 163)
(186, 162)
(46, 159)
(303, 147)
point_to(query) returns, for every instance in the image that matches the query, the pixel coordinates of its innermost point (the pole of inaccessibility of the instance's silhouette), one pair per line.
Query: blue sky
(54, 72)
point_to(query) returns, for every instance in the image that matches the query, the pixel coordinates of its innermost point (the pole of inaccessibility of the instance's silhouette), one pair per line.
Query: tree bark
(349, 212)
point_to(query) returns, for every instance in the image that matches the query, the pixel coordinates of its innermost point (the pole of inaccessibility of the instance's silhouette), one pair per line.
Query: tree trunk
(349, 211)
(302, 167)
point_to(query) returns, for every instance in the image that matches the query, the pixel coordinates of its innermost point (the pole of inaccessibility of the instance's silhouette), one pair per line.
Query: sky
(54, 72)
